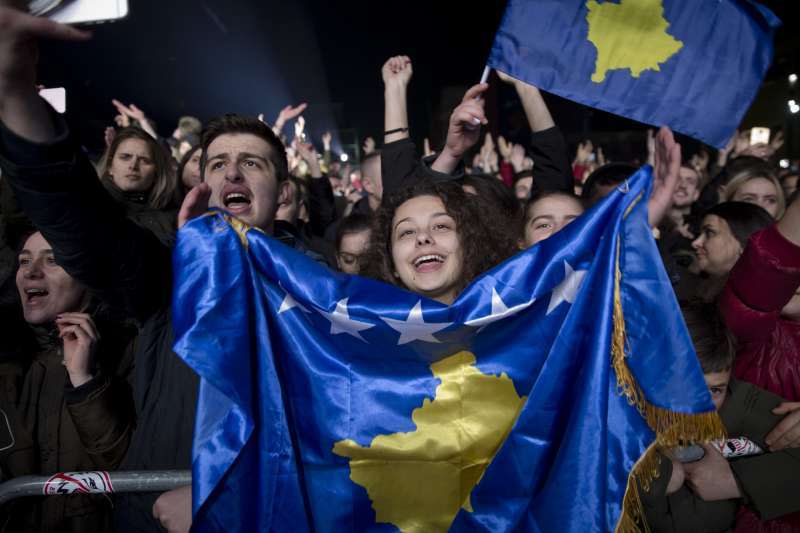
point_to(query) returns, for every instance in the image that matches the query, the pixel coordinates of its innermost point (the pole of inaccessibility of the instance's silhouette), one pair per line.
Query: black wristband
(396, 130)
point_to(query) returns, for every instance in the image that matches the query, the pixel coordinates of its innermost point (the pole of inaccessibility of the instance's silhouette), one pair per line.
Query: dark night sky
(205, 57)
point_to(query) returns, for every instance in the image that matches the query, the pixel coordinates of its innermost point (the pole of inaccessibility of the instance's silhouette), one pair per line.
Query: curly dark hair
(485, 242)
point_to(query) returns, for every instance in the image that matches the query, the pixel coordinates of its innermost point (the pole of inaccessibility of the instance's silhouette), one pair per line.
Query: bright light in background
(793, 107)
(344, 158)
(792, 78)
(784, 163)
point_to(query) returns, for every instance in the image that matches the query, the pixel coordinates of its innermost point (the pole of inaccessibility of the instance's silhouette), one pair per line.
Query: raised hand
(288, 113)
(300, 128)
(369, 145)
(666, 168)
(504, 148)
(517, 158)
(776, 143)
(79, 335)
(584, 152)
(123, 121)
(397, 71)
(195, 204)
(309, 155)
(132, 112)
(464, 129)
(327, 138)
(488, 156)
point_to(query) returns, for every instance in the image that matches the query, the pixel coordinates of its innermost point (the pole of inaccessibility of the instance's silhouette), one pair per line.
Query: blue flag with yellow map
(692, 65)
(331, 402)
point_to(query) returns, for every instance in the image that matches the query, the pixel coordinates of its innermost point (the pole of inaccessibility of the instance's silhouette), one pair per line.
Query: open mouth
(33, 296)
(236, 202)
(428, 263)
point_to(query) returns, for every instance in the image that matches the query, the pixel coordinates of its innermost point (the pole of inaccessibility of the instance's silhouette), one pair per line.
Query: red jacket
(761, 283)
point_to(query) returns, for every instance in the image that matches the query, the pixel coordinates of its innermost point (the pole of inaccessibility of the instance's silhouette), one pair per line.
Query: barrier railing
(94, 483)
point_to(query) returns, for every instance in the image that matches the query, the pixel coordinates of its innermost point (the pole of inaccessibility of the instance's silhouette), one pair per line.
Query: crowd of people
(88, 378)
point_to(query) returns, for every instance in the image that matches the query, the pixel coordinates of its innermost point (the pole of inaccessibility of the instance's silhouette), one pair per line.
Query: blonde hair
(163, 191)
(749, 174)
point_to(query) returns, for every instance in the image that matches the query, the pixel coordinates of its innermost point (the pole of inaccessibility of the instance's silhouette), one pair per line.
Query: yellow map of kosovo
(419, 480)
(629, 35)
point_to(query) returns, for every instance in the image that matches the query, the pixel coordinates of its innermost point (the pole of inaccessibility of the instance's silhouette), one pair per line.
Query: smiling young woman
(433, 239)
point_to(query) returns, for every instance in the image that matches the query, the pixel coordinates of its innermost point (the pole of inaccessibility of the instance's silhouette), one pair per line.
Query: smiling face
(688, 190)
(759, 191)
(716, 247)
(426, 252)
(45, 289)
(243, 180)
(132, 168)
(548, 216)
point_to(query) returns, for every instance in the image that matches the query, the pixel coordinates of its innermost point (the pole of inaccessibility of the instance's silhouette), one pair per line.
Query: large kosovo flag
(331, 402)
(693, 65)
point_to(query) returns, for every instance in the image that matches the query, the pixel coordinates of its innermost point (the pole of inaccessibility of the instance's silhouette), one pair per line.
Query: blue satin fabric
(702, 91)
(278, 390)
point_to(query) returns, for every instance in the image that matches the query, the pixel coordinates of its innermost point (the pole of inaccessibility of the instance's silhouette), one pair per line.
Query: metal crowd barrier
(94, 483)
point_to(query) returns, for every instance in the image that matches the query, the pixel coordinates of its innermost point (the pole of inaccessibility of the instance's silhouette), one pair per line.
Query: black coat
(130, 270)
(55, 427)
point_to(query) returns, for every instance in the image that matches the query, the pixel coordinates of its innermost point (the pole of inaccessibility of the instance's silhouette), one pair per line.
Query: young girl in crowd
(65, 406)
(547, 213)
(754, 185)
(138, 174)
(434, 239)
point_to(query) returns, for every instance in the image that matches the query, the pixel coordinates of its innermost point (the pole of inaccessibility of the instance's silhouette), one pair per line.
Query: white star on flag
(415, 328)
(499, 311)
(290, 303)
(567, 289)
(342, 323)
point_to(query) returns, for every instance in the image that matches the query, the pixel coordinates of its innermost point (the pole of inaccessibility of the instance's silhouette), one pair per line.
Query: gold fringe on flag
(672, 429)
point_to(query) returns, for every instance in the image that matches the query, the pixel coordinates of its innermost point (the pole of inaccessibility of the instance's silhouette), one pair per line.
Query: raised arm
(539, 118)
(548, 149)
(21, 108)
(58, 189)
(396, 73)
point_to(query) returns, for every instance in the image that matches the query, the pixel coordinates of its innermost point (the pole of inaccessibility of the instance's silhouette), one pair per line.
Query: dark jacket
(400, 166)
(130, 269)
(58, 428)
(768, 482)
(162, 222)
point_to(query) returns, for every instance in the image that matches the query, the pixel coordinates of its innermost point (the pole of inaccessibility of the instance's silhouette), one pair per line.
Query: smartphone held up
(79, 11)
